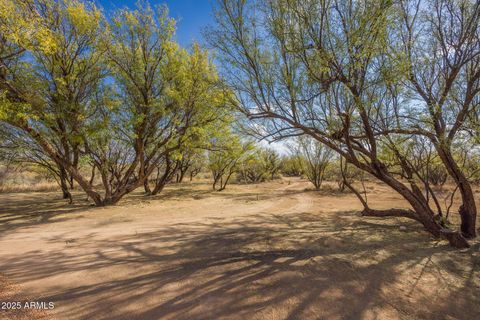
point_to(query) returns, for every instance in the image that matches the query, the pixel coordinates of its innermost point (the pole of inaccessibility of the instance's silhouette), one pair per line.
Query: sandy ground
(268, 251)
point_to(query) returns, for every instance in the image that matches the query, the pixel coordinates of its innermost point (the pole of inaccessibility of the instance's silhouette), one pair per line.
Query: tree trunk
(71, 183)
(166, 177)
(158, 188)
(180, 176)
(146, 187)
(216, 178)
(421, 210)
(64, 185)
(223, 184)
(454, 238)
(468, 210)
(92, 176)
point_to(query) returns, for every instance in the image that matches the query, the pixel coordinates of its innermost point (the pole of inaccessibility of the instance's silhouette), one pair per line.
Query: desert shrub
(271, 162)
(260, 165)
(437, 174)
(291, 166)
(313, 158)
(252, 170)
(334, 174)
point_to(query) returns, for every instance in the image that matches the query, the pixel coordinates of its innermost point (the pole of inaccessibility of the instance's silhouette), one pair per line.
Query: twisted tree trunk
(64, 185)
(468, 209)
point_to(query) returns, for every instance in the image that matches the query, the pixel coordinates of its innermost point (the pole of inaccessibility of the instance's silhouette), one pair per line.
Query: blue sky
(191, 15)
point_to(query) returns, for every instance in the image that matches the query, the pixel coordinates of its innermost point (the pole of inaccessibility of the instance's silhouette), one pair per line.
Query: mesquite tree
(439, 43)
(261, 164)
(198, 163)
(224, 157)
(326, 69)
(271, 159)
(314, 158)
(118, 93)
(252, 169)
(191, 162)
(53, 69)
(21, 150)
(201, 108)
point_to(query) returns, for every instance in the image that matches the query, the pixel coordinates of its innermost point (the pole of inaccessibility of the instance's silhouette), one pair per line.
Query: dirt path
(269, 251)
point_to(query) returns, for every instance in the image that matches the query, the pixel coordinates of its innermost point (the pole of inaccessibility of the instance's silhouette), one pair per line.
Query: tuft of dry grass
(29, 187)
(26, 180)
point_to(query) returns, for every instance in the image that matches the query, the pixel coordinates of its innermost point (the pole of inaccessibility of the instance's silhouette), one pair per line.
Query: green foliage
(291, 166)
(116, 94)
(226, 153)
(259, 165)
(313, 159)
(351, 174)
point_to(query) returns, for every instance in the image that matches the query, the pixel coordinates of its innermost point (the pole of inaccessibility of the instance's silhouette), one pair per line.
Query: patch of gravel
(9, 293)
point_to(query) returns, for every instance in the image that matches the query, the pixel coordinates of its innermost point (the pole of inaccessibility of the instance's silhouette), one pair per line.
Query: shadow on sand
(260, 267)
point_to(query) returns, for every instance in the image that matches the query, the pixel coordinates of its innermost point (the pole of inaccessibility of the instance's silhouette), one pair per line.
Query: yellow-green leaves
(83, 19)
(24, 26)
(41, 26)
(11, 112)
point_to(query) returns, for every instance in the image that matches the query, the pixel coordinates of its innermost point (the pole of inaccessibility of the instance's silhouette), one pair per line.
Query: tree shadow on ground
(265, 266)
(28, 209)
(24, 210)
(19, 210)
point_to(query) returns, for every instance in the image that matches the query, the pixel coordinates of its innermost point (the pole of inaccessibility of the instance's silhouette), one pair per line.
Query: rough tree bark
(468, 209)
(64, 185)
(421, 210)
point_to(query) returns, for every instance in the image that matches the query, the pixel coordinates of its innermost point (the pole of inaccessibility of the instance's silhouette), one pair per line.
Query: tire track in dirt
(291, 199)
(297, 199)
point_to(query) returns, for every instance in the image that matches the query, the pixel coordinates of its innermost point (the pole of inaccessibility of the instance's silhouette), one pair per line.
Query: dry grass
(29, 187)
(25, 180)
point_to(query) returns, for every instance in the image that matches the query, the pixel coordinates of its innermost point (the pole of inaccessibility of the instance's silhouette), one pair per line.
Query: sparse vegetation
(314, 158)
